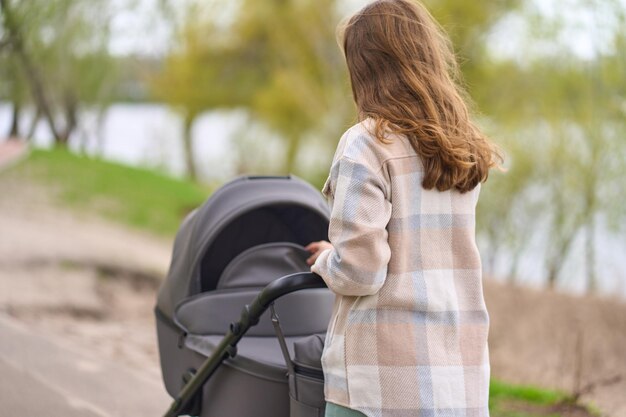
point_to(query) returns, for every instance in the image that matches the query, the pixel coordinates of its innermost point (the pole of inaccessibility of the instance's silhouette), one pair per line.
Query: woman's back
(418, 340)
(408, 335)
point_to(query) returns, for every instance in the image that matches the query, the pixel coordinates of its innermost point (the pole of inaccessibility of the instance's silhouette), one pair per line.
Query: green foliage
(66, 45)
(562, 121)
(468, 23)
(559, 117)
(286, 74)
(13, 87)
(139, 198)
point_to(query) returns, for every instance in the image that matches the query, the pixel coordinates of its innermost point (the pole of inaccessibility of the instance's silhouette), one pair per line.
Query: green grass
(499, 390)
(524, 401)
(140, 198)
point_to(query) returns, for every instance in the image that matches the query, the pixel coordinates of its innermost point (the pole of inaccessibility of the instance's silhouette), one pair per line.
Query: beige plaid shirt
(408, 333)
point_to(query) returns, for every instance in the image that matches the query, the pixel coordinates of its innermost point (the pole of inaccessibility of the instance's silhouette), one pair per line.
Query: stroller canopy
(243, 214)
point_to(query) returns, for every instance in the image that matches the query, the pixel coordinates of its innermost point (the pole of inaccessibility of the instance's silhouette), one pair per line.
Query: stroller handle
(251, 313)
(250, 316)
(288, 284)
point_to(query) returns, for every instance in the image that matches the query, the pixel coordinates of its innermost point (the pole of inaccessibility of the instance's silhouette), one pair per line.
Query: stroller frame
(250, 315)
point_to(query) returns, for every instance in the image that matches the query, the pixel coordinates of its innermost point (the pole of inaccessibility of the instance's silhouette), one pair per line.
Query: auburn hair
(405, 76)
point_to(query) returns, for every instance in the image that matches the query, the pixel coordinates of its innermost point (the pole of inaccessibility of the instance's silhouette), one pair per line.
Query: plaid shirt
(408, 333)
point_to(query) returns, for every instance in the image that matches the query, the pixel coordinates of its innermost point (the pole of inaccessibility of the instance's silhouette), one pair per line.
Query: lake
(147, 135)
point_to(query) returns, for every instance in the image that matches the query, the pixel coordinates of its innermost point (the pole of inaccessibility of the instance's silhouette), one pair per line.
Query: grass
(136, 197)
(499, 391)
(527, 401)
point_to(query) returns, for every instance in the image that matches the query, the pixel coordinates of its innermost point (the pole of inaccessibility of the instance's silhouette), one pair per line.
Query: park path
(12, 151)
(45, 377)
(77, 334)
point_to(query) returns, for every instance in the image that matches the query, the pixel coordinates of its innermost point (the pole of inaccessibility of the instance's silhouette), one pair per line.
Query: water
(610, 267)
(149, 135)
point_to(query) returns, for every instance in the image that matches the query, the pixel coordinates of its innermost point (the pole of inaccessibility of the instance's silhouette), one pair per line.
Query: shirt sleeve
(357, 264)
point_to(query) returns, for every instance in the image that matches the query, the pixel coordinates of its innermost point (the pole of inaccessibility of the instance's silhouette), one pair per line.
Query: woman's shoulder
(360, 144)
(359, 135)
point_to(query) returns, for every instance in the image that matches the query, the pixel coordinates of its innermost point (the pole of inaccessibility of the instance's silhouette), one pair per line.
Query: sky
(141, 28)
(583, 30)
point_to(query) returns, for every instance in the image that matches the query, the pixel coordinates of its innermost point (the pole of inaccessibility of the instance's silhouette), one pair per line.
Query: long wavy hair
(405, 76)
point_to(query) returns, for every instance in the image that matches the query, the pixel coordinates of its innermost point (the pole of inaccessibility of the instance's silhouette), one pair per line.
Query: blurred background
(118, 117)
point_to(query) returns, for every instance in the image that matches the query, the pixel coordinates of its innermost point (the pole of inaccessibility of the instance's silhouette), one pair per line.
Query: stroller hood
(244, 213)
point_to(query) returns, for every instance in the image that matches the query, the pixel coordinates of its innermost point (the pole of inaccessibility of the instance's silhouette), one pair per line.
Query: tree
(572, 111)
(286, 75)
(16, 39)
(306, 92)
(61, 48)
(207, 69)
(16, 91)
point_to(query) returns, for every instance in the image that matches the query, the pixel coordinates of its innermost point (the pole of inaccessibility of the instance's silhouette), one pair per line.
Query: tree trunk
(4, 42)
(591, 206)
(190, 165)
(100, 132)
(553, 273)
(293, 146)
(33, 124)
(71, 119)
(32, 75)
(14, 130)
(561, 238)
(491, 261)
(590, 257)
(512, 275)
(556, 263)
(492, 253)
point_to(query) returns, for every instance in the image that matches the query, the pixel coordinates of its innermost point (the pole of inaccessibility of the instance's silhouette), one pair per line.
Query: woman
(408, 334)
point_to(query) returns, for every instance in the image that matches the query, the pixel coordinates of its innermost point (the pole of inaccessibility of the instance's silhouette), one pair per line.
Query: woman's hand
(316, 248)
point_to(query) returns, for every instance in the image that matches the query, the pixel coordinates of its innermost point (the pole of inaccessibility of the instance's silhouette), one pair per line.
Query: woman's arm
(357, 263)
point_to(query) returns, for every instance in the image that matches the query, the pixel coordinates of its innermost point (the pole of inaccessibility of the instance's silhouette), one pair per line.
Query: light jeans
(336, 410)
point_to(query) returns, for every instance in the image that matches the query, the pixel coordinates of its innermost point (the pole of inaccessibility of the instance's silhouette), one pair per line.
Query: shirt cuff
(319, 266)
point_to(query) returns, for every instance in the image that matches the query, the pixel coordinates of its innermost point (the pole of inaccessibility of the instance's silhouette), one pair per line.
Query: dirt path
(93, 284)
(574, 344)
(90, 282)
(11, 151)
(45, 376)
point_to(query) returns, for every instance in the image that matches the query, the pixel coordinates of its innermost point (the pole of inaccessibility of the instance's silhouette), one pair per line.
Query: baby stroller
(238, 266)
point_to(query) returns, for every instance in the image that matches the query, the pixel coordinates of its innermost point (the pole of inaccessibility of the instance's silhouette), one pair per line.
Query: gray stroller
(238, 266)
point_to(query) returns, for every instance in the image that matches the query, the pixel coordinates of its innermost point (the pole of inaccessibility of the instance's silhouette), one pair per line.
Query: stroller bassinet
(250, 233)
